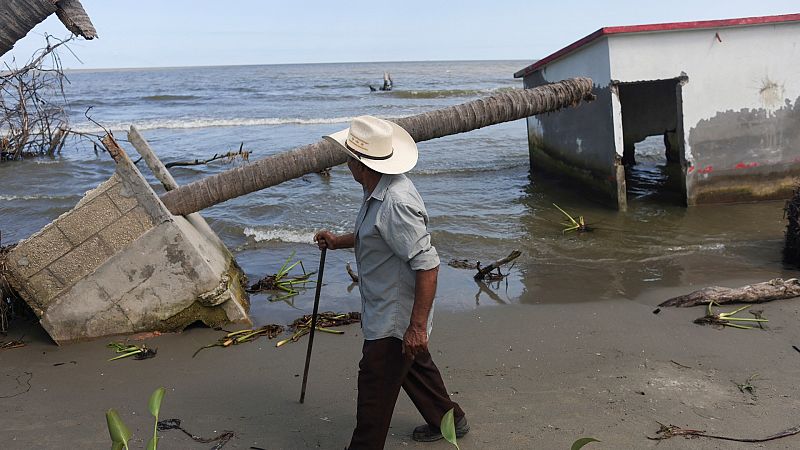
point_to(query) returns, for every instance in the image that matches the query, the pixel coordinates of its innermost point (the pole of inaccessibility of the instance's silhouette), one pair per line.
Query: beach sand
(528, 376)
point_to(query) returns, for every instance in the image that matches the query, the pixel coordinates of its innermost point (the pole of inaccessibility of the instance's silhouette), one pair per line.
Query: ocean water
(477, 186)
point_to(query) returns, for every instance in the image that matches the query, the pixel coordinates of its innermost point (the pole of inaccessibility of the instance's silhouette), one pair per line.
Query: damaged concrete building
(119, 262)
(724, 95)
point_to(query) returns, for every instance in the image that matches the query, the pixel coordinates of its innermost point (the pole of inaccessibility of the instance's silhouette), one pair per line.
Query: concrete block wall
(119, 262)
(50, 262)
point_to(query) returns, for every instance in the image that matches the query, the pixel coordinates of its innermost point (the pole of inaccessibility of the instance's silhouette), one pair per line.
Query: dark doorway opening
(653, 140)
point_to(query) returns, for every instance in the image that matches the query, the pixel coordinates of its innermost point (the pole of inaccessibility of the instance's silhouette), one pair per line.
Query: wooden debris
(668, 431)
(7, 345)
(484, 271)
(229, 157)
(774, 289)
(175, 424)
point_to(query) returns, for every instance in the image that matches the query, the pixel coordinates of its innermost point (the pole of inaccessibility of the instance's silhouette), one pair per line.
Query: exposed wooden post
(150, 158)
(112, 147)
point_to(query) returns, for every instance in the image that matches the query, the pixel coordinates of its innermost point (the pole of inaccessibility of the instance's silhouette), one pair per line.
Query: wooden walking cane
(313, 323)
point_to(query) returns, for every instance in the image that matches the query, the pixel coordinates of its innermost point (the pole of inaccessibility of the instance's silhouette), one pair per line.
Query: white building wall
(751, 67)
(571, 137)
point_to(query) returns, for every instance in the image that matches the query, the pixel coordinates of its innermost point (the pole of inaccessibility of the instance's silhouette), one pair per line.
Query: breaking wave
(169, 98)
(174, 124)
(446, 93)
(36, 197)
(279, 234)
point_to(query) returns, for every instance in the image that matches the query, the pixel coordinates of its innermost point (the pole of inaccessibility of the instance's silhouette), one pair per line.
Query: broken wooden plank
(158, 168)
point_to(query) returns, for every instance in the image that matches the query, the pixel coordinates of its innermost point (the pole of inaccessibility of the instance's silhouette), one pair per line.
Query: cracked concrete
(120, 263)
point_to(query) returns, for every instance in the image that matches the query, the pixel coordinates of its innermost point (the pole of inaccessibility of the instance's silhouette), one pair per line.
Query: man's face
(355, 169)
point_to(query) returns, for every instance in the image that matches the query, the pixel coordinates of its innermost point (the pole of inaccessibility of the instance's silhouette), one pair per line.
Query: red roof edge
(655, 27)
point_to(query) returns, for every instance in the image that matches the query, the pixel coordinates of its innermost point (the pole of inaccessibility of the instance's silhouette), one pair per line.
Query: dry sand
(528, 376)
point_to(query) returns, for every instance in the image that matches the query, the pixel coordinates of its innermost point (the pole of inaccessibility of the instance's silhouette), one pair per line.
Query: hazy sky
(148, 33)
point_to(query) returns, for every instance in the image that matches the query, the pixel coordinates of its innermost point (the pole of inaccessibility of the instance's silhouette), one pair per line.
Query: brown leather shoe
(428, 433)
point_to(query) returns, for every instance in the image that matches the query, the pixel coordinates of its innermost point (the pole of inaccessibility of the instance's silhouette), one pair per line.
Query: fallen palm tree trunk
(503, 107)
(20, 16)
(775, 289)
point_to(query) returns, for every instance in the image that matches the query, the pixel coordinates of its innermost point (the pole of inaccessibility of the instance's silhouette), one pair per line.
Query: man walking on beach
(398, 271)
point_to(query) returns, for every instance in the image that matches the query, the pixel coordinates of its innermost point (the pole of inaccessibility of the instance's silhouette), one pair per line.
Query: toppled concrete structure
(119, 263)
(722, 95)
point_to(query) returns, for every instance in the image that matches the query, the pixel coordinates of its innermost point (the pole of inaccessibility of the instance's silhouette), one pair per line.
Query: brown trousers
(382, 371)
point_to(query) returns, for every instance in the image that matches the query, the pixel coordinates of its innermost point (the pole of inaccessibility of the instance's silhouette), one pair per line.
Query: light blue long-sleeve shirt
(391, 243)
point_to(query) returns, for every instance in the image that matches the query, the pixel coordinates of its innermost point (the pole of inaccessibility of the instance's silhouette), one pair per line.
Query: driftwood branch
(230, 156)
(669, 431)
(483, 271)
(775, 289)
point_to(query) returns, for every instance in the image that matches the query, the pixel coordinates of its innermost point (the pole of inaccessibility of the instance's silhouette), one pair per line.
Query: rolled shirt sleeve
(403, 226)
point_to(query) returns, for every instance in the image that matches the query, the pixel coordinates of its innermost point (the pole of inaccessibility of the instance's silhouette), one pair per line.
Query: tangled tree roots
(33, 121)
(791, 248)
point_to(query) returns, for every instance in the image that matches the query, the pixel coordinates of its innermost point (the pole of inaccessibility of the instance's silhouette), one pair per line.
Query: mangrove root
(668, 431)
(484, 271)
(775, 289)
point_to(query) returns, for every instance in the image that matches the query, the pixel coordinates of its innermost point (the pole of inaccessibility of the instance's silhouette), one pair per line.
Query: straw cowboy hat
(381, 145)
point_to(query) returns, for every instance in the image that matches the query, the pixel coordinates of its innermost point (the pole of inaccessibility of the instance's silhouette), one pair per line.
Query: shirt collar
(380, 189)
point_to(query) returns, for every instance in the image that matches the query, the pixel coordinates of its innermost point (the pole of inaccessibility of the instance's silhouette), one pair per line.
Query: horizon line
(202, 66)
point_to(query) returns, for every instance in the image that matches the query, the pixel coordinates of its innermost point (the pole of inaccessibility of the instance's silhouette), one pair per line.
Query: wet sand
(528, 375)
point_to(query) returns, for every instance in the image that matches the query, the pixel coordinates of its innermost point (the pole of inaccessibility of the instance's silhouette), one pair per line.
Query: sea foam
(279, 234)
(175, 124)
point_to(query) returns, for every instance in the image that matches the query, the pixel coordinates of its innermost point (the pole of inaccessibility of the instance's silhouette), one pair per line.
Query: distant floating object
(387, 83)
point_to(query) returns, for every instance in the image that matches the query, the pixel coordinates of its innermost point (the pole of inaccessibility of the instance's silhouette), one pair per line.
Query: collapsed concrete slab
(119, 263)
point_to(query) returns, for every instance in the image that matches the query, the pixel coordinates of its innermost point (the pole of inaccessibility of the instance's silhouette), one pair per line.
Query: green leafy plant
(571, 224)
(448, 428)
(578, 445)
(154, 405)
(748, 387)
(728, 319)
(126, 350)
(281, 281)
(121, 434)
